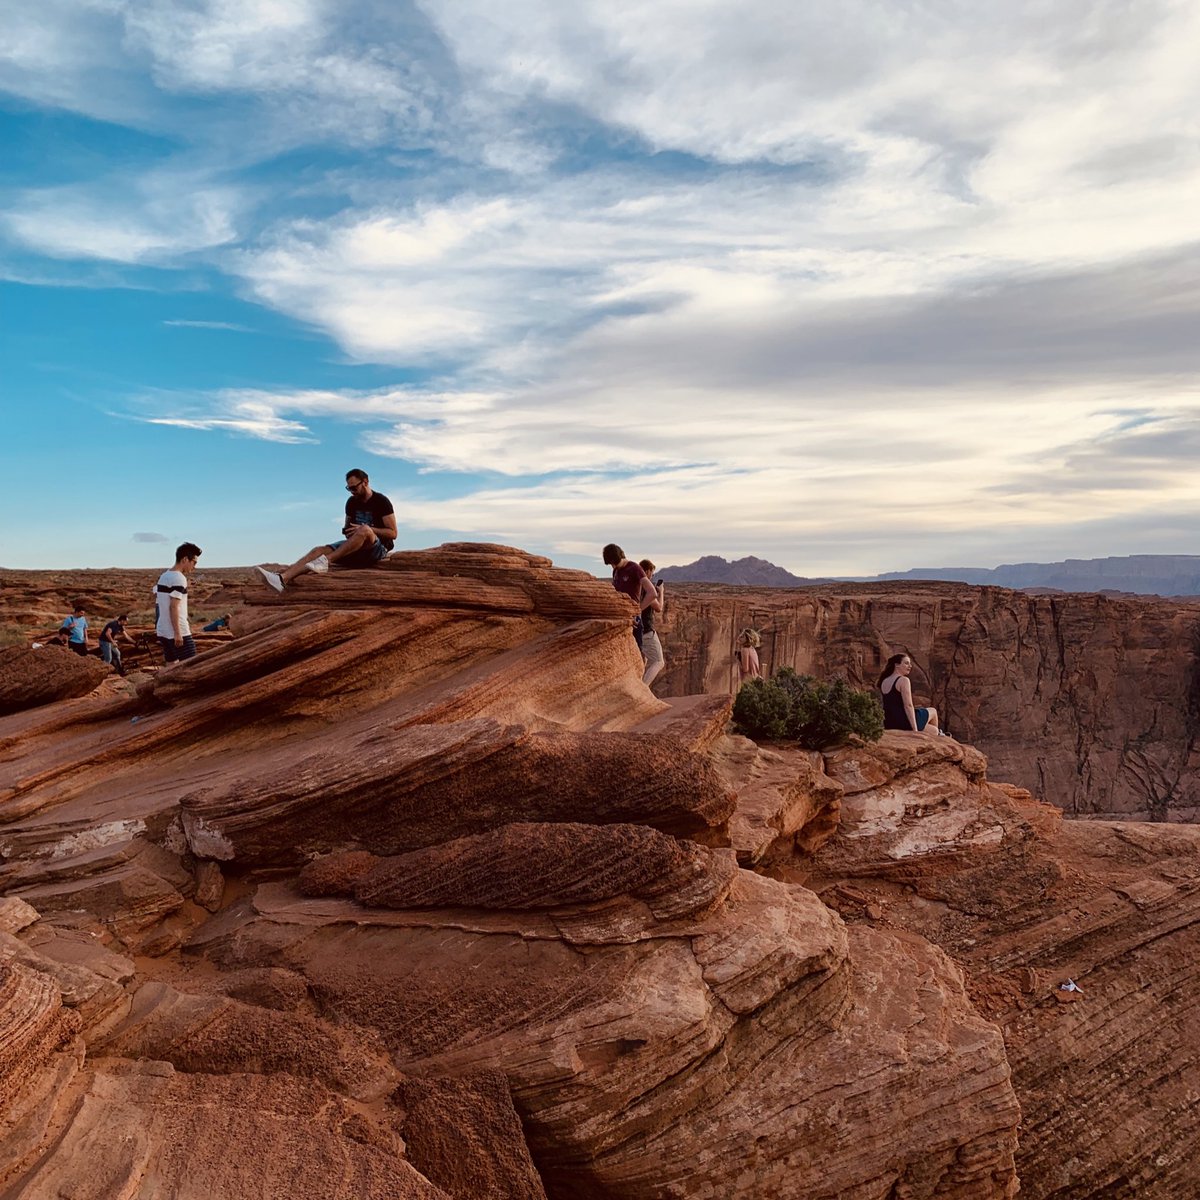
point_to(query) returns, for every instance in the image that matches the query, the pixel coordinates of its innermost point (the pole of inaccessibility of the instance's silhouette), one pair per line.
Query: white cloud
(156, 218)
(247, 418)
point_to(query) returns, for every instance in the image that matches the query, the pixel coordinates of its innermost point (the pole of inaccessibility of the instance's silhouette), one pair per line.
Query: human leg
(359, 543)
(173, 653)
(79, 648)
(116, 659)
(653, 654)
(933, 726)
(301, 564)
(106, 652)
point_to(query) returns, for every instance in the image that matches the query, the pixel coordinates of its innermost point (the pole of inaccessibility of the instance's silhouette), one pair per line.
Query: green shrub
(806, 710)
(761, 710)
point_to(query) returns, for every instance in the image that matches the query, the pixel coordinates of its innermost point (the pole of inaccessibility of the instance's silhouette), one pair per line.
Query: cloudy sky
(852, 287)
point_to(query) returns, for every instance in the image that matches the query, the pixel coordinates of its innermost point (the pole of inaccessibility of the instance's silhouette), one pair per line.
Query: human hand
(178, 640)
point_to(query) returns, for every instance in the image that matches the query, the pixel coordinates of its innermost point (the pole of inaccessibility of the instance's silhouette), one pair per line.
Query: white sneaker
(272, 580)
(320, 565)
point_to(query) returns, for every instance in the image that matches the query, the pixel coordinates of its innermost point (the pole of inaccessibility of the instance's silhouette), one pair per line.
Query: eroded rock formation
(1090, 702)
(413, 889)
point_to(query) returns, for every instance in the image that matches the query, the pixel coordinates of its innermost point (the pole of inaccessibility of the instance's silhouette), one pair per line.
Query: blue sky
(852, 289)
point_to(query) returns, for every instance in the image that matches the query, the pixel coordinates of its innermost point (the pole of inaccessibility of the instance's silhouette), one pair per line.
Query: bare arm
(176, 606)
(905, 689)
(649, 597)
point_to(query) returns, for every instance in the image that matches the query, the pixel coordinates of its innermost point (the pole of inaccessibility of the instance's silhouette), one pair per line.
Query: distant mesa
(743, 572)
(1139, 574)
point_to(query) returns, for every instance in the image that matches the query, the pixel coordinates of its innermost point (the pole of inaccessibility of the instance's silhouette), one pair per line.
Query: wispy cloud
(156, 218)
(246, 418)
(230, 326)
(150, 538)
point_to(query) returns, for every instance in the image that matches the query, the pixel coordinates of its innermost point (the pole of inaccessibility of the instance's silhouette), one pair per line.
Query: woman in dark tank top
(896, 692)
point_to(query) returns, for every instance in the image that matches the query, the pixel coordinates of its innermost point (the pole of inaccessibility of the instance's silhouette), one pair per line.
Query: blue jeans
(110, 652)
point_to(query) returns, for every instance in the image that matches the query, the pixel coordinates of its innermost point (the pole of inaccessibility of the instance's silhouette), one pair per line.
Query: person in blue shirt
(76, 627)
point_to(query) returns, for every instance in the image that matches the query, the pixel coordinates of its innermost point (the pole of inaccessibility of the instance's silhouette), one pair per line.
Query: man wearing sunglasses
(370, 530)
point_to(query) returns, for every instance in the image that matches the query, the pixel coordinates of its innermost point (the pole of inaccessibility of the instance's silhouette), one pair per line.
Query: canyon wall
(1088, 701)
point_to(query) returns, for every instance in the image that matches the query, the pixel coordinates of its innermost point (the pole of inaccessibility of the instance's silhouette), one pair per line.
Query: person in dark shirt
(629, 579)
(898, 709)
(110, 652)
(370, 531)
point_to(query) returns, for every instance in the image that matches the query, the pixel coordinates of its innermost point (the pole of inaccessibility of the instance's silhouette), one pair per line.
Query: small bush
(761, 710)
(803, 709)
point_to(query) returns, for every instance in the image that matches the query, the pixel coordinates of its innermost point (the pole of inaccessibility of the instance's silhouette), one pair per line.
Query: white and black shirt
(171, 583)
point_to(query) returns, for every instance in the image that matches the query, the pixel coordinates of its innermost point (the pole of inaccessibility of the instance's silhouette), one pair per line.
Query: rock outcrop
(412, 889)
(33, 677)
(1091, 703)
(1107, 1071)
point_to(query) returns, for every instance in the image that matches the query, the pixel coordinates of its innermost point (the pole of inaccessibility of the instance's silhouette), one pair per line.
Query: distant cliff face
(1089, 702)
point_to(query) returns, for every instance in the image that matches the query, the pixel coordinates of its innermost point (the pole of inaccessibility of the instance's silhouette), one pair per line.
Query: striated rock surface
(411, 888)
(1025, 902)
(30, 678)
(1085, 700)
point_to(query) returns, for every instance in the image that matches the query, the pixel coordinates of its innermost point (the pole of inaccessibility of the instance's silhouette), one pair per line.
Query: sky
(853, 288)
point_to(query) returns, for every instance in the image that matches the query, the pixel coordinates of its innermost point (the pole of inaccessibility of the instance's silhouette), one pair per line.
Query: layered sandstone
(1089, 702)
(413, 889)
(1106, 1072)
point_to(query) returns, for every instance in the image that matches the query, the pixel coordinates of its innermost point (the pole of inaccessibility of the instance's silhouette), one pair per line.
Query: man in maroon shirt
(631, 580)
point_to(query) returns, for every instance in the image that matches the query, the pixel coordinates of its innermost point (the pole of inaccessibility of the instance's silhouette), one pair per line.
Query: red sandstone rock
(664, 1023)
(464, 1135)
(144, 1130)
(1026, 901)
(393, 790)
(29, 678)
(550, 866)
(215, 1035)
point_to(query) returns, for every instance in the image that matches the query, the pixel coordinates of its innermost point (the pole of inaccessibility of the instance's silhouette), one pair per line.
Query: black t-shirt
(112, 631)
(371, 512)
(648, 615)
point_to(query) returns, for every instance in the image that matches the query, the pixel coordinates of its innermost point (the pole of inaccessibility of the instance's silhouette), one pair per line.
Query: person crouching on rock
(110, 652)
(898, 710)
(651, 646)
(171, 605)
(370, 531)
(75, 627)
(630, 580)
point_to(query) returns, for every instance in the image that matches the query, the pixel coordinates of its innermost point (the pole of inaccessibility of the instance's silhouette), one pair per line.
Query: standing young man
(110, 652)
(76, 627)
(629, 579)
(170, 601)
(370, 531)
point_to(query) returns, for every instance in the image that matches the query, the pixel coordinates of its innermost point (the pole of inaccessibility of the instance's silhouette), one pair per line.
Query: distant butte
(410, 888)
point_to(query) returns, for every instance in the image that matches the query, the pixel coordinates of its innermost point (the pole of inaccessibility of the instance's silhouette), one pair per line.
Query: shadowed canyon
(410, 888)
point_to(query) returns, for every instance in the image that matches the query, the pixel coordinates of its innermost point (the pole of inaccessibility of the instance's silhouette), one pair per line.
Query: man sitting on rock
(370, 531)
